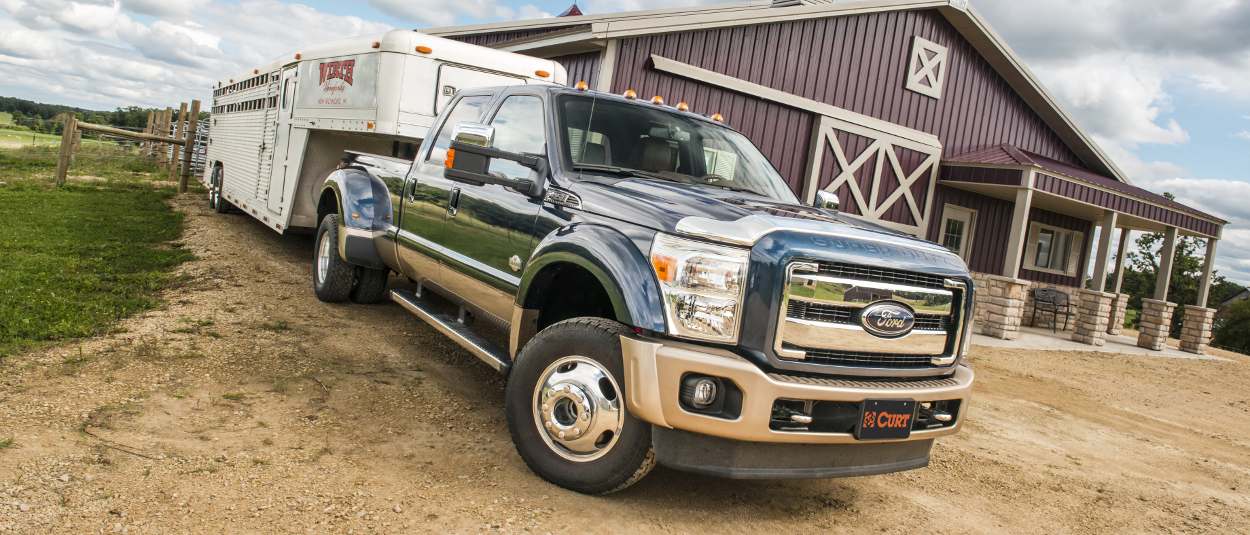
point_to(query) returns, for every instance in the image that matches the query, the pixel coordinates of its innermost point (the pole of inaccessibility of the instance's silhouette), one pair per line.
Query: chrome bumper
(653, 371)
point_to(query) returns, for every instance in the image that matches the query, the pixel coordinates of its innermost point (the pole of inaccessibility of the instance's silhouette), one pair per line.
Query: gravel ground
(247, 406)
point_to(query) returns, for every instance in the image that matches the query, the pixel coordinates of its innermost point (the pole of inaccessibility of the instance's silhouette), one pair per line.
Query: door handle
(453, 201)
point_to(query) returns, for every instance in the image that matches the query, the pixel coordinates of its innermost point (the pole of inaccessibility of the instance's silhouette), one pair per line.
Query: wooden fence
(165, 131)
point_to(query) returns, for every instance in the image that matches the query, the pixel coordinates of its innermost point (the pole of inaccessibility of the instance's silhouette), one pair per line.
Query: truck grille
(880, 274)
(839, 314)
(835, 357)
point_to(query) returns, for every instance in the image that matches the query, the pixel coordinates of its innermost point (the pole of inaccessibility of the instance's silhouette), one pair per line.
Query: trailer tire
(332, 276)
(370, 285)
(216, 201)
(571, 375)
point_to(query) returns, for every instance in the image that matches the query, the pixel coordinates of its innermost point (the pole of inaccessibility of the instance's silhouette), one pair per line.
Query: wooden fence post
(188, 150)
(173, 152)
(76, 146)
(147, 145)
(67, 142)
(162, 159)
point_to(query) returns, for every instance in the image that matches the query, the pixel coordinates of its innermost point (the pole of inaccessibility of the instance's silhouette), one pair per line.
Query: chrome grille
(880, 274)
(836, 357)
(805, 310)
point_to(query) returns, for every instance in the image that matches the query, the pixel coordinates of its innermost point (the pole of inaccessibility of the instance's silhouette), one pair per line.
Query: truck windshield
(631, 139)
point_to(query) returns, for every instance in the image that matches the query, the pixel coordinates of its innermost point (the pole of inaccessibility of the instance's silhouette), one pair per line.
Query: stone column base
(1119, 306)
(1196, 331)
(1156, 322)
(1092, 317)
(1003, 305)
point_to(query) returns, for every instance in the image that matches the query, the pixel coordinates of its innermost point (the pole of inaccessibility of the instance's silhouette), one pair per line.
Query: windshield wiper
(624, 171)
(731, 188)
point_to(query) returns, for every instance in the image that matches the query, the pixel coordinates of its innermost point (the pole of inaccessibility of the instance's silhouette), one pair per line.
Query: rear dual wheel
(334, 279)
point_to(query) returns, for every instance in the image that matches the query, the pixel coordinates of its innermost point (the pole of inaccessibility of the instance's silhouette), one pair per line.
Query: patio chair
(1055, 303)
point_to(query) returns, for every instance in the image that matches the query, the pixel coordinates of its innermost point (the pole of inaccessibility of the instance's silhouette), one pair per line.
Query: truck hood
(721, 214)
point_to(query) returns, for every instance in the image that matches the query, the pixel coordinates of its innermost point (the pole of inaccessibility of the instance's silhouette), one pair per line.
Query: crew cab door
(489, 227)
(426, 194)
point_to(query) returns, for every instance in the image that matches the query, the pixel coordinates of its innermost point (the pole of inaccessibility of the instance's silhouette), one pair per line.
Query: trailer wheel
(370, 285)
(566, 411)
(332, 276)
(216, 201)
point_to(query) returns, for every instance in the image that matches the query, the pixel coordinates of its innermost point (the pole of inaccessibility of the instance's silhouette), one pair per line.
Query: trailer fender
(612, 258)
(363, 204)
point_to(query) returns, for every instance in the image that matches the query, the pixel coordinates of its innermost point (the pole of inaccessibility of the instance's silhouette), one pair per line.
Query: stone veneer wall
(1196, 331)
(1119, 306)
(1044, 320)
(1003, 302)
(1156, 321)
(1092, 317)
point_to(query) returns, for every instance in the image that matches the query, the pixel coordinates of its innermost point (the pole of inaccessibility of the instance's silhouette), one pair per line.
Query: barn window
(927, 67)
(957, 225)
(1053, 250)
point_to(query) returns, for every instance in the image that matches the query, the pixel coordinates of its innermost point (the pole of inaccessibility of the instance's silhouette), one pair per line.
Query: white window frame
(969, 228)
(1075, 247)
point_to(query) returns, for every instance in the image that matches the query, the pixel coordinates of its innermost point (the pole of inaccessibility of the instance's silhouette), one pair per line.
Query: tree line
(44, 118)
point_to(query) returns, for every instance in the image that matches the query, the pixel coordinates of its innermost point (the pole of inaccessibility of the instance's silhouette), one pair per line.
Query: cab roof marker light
(681, 106)
(657, 100)
(581, 86)
(630, 94)
(717, 118)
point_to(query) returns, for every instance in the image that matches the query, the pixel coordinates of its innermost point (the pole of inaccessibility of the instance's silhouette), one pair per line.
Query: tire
(583, 354)
(370, 285)
(332, 276)
(218, 202)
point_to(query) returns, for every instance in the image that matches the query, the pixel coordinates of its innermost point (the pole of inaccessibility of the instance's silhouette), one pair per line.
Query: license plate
(885, 419)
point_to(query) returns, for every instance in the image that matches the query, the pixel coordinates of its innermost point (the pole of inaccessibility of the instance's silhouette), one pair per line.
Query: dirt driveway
(247, 406)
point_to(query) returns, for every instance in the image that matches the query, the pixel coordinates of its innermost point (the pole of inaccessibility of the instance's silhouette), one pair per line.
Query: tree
(1233, 329)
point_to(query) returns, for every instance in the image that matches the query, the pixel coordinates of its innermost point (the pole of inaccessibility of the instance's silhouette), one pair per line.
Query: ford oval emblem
(887, 320)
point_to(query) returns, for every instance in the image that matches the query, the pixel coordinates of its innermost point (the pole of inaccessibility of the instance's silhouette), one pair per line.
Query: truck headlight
(703, 286)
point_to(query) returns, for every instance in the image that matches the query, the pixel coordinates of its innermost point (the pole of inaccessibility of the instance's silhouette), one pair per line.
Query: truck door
(489, 227)
(282, 165)
(426, 194)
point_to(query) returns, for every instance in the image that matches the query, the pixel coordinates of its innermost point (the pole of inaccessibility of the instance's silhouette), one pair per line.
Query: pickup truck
(667, 297)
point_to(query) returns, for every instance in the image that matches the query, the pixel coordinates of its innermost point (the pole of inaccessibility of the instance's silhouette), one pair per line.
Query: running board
(448, 325)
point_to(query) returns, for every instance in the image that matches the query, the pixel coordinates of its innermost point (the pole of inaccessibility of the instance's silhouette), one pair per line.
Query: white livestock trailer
(279, 129)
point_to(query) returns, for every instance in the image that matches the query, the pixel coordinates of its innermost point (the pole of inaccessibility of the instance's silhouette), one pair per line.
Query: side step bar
(447, 324)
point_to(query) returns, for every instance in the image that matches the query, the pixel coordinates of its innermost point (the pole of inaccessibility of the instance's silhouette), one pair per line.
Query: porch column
(1019, 228)
(1167, 254)
(1121, 256)
(1104, 252)
(1120, 306)
(1204, 286)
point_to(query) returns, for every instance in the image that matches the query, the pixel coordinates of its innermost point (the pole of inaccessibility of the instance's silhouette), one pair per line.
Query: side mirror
(482, 135)
(827, 200)
(469, 155)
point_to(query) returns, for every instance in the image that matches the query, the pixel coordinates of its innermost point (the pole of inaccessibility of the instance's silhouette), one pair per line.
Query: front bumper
(654, 368)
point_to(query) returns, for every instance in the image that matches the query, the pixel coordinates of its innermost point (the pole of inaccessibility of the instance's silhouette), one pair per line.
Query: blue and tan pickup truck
(667, 297)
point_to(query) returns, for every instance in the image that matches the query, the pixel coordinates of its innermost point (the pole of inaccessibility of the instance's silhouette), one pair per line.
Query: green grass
(6, 117)
(79, 257)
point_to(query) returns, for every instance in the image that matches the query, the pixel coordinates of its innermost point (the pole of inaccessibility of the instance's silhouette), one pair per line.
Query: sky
(1162, 85)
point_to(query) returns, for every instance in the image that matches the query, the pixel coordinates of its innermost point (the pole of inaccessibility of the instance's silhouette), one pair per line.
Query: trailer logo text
(341, 70)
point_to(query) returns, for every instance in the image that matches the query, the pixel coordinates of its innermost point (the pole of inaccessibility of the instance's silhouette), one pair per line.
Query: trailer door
(453, 78)
(283, 165)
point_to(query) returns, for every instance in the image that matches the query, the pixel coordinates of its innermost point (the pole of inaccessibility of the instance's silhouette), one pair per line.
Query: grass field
(11, 137)
(78, 257)
(6, 117)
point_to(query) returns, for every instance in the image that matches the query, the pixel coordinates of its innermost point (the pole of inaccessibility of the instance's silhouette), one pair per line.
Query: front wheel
(332, 276)
(566, 409)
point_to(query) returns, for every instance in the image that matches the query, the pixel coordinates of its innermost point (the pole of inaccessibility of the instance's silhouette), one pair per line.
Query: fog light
(704, 393)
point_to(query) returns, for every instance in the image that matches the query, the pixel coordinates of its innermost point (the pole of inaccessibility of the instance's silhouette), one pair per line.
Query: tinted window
(518, 128)
(467, 110)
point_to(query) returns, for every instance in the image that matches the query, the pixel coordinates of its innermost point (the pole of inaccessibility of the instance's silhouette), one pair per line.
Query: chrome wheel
(324, 250)
(577, 408)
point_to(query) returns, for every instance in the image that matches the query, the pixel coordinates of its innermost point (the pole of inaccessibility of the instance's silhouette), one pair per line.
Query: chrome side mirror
(826, 199)
(482, 135)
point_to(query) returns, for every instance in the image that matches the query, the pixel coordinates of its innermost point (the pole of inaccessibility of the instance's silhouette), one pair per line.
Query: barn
(919, 117)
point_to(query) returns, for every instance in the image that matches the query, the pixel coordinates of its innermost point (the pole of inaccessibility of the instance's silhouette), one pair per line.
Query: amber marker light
(369, 126)
(718, 118)
(355, 215)
(665, 267)
(681, 106)
(657, 100)
(542, 74)
(451, 155)
(255, 71)
(297, 56)
(425, 50)
(581, 86)
(377, 44)
(630, 94)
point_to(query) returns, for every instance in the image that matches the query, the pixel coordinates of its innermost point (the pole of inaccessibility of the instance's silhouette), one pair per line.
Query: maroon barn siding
(1054, 219)
(981, 175)
(581, 67)
(487, 39)
(991, 230)
(1120, 203)
(854, 62)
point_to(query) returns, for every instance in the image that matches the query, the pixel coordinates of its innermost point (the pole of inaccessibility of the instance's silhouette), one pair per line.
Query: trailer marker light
(581, 86)
(279, 225)
(425, 49)
(542, 74)
(377, 44)
(297, 56)
(718, 118)
(681, 106)
(255, 71)
(657, 100)
(630, 94)
(369, 126)
(451, 156)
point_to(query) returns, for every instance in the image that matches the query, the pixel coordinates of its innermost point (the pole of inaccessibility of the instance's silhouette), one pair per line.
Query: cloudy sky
(1164, 85)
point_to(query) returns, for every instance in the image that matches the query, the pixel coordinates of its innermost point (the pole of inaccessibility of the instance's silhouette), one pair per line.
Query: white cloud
(443, 12)
(1244, 134)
